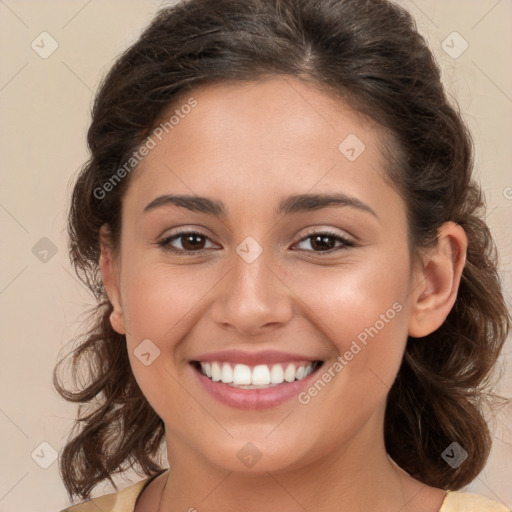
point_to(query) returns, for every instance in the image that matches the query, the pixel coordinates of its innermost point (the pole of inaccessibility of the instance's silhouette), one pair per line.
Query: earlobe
(117, 322)
(437, 282)
(111, 281)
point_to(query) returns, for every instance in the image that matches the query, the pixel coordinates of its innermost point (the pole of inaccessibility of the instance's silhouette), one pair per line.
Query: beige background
(45, 113)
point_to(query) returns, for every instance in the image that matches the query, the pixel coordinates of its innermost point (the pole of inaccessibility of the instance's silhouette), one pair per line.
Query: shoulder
(122, 501)
(456, 501)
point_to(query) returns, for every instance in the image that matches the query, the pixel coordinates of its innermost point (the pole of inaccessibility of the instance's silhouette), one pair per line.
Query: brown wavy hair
(370, 54)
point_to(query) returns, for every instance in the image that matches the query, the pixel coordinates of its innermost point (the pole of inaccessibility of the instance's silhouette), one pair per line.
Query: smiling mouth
(260, 376)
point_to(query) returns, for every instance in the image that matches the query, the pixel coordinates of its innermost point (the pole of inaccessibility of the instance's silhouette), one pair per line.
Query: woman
(296, 289)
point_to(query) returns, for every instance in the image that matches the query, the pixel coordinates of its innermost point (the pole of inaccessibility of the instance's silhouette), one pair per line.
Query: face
(290, 251)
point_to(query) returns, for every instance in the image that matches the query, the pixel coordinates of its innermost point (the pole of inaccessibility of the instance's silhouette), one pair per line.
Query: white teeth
(260, 375)
(244, 376)
(277, 374)
(216, 372)
(289, 373)
(227, 373)
(241, 375)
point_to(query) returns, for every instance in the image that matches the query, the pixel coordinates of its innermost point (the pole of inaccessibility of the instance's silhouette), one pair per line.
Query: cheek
(362, 314)
(162, 304)
(160, 301)
(361, 310)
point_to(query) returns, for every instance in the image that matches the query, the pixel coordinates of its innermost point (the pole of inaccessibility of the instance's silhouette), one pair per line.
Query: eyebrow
(294, 204)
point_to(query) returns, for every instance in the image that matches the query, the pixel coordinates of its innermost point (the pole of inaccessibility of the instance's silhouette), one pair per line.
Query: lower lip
(257, 399)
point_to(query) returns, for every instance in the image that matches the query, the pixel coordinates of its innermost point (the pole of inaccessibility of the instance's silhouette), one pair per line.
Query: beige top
(124, 501)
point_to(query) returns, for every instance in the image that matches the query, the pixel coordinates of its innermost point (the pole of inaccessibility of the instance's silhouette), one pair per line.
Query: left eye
(325, 242)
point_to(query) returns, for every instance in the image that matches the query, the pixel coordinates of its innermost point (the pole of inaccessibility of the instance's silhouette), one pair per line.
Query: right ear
(110, 276)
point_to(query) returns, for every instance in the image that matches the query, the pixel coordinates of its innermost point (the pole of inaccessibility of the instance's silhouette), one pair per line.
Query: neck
(360, 477)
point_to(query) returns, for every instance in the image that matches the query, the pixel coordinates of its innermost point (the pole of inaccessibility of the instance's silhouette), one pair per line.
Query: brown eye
(192, 242)
(189, 241)
(326, 242)
(322, 242)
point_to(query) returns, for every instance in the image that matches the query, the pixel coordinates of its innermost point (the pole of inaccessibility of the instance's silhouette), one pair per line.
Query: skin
(250, 145)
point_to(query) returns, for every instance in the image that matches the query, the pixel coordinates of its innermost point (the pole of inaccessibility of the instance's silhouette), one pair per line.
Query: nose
(253, 298)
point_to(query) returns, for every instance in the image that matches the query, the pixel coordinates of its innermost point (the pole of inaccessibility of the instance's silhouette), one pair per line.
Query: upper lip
(253, 358)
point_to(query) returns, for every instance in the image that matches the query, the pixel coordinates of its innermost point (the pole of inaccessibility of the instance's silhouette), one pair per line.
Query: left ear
(437, 281)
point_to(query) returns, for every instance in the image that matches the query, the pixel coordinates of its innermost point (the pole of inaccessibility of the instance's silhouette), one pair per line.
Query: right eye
(192, 242)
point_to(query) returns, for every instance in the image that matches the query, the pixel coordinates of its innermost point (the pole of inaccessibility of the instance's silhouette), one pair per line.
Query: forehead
(262, 137)
(278, 109)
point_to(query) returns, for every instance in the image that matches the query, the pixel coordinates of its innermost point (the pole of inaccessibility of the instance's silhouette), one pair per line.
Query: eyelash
(165, 243)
